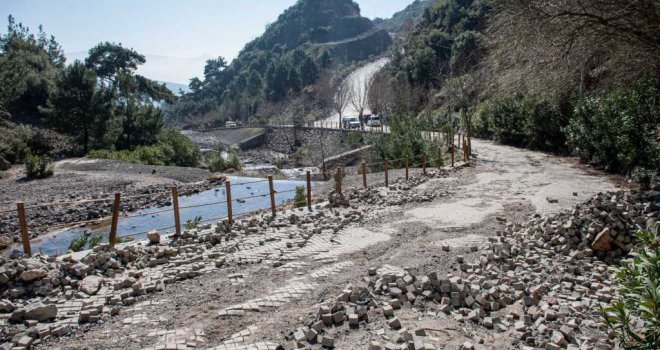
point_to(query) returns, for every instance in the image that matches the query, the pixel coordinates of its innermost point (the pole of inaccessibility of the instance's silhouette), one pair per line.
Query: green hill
(307, 39)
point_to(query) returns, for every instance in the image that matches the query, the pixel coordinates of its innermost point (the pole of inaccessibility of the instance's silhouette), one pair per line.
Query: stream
(58, 242)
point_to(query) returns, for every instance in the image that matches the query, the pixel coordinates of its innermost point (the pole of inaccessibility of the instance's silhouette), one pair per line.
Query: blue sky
(175, 35)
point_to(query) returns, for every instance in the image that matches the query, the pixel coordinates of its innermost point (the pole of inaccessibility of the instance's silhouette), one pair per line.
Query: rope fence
(416, 162)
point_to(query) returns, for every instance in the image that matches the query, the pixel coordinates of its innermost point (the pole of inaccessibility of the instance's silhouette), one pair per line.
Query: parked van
(350, 122)
(374, 121)
(230, 124)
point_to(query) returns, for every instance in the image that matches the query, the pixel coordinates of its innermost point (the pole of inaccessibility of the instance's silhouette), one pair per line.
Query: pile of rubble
(55, 295)
(543, 281)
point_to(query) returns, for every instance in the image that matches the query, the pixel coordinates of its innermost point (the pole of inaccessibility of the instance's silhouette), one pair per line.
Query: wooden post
(177, 218)
(115, 219)
(338, 180)
(406, 168)
(230, 216)
(309, 191)
(25, 237)
(272, 195)
(364, 174)
(424, 164)
(464, 151)
(452, 154)
(387, 180)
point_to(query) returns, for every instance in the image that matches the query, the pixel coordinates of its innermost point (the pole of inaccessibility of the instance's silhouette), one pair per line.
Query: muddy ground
(503, 185)
(88, 179)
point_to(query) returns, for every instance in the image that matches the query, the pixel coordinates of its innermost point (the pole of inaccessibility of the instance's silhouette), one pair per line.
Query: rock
(154, 237)
(91, 284)
(4, 164)
(40, 312)
(31, 275)
(603, 241)
(6, 306)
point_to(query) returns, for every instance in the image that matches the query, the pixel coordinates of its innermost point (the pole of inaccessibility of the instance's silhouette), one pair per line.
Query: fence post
(115, 218)
(387, 180)
(452, 154)
(424, 164)
(230, 216)
(309, 191)
(338, 180)
(177, 218)
(272, 195)
(25, 237)
(406, 168)
(364, 174)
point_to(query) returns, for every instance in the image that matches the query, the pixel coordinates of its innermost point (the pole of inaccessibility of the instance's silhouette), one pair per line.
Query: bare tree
(588, 44)
(360, 97)
(341, 98)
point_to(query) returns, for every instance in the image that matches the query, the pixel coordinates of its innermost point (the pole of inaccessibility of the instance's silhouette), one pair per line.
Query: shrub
(215, 162)
(300, 199)
(234, 162)
(635, 316)
(523, 122)
(173, 149)
(192, 223)
(86, 240)
(39, 166)
(618, 130)
(298, 157)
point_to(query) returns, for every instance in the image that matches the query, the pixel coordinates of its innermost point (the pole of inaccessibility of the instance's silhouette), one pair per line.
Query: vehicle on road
(230, 124)
(374, 121)
(350, 122)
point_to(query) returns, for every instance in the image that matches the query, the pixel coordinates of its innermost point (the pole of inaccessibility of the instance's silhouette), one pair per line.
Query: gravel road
(503, 184)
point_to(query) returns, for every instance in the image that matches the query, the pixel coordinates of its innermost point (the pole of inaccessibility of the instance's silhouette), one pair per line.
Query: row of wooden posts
(176, 208)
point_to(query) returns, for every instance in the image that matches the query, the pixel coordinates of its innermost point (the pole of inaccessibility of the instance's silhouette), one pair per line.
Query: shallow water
(58, 242)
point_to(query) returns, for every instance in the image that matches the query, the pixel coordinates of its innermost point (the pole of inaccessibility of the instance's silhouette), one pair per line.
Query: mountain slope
(307, 39)
(405, 18)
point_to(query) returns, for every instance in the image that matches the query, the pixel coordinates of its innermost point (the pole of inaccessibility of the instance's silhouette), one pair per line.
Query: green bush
(215, 162)
(173, 149)
(39, 166)
(86, 240)
(634, 317)
(192, 223)
(523, 122)
(618, 130)
(234, 162)
(300, 199)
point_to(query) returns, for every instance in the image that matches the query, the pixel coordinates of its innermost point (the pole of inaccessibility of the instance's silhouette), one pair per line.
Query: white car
(351, 123)
(374, 121)
(230, 124)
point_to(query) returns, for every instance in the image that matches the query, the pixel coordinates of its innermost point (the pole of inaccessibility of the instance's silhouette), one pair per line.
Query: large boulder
(33, 274)
(40, 312)
(4, 164)
(90, 285)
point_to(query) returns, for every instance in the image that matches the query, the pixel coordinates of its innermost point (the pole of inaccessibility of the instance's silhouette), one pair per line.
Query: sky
(177, 36)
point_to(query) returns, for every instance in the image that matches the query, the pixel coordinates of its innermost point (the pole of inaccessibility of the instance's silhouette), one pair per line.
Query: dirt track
(503, 183)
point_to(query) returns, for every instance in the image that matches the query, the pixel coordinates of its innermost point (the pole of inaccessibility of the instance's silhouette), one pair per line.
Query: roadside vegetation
(582, 91)
(97, 107)
(634, 317)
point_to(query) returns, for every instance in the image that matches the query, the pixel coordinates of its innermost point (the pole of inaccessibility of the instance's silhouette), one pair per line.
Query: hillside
(307, 39)
(406, 18)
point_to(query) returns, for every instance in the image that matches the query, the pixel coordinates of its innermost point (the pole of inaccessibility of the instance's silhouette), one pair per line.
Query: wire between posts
(250, 197)
(249, 182)
(202, 205)
(146, 214)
